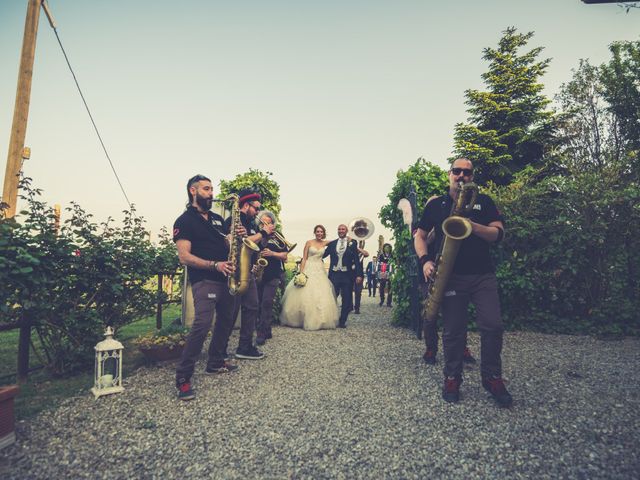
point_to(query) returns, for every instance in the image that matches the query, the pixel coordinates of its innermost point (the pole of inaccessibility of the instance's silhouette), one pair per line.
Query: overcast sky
(333, 97)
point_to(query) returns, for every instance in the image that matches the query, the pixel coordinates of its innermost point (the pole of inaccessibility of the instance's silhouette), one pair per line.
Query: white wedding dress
(314, 306)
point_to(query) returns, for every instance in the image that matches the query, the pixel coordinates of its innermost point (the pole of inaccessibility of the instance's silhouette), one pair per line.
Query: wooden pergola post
(21, 109)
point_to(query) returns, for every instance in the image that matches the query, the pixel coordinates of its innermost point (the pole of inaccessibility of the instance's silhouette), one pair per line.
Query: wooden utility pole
(21, 110)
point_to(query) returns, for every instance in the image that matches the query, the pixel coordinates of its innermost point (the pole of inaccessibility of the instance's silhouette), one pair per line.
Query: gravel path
(354, 403)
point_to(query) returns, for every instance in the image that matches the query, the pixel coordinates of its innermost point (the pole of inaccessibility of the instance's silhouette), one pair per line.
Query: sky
(332, 97)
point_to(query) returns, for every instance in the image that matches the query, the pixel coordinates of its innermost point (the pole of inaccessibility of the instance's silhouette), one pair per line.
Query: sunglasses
(467, 172)
(257, 209)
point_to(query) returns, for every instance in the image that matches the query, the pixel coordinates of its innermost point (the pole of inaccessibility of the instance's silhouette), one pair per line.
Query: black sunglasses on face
(466, 171)
(257, 209)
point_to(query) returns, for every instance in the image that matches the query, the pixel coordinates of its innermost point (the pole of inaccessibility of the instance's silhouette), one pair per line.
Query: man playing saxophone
(249, 206)
(275, 253)
(203, 248)
(472, 280)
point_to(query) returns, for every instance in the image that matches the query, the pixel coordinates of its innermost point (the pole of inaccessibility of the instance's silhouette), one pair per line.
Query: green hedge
(71, 282)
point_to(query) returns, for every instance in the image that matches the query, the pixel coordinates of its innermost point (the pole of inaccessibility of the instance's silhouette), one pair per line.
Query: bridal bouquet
(300, 280)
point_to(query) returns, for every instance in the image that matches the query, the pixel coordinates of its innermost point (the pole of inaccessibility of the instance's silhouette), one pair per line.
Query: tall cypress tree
(508, 127)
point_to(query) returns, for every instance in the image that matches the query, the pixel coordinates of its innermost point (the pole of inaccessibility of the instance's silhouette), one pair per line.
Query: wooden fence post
(24, 344)
(159, 305)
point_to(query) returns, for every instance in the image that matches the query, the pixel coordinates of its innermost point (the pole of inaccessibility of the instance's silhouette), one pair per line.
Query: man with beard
(203, 248)
(249, 205)
(472, 280)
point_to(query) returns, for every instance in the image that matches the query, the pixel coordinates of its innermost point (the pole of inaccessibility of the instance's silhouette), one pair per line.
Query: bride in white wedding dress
(314, 306)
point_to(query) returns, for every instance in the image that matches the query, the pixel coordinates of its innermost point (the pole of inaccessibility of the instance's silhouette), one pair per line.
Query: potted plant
(164, 344)
(7, 420)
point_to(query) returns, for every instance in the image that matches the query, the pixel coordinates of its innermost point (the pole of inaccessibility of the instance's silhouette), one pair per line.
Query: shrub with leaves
(426, 179)
(172, 336)
(72, 281)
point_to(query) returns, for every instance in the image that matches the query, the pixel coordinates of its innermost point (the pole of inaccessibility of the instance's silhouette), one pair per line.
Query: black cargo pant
(430, 327)
(208, 297)
(383, 282)
(248, 302)
(482, 291)
(267, 293)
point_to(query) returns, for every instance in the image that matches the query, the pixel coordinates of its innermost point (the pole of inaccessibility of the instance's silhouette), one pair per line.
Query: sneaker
(467, 357)
(451, 389)
(261, 340)
(429, 357)
(249, 353)
(357, 312)
(225, 368)
(495, 386)
(185, 392)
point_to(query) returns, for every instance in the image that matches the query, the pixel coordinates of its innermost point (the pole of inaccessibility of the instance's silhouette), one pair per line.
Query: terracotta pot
(162, 352)
(7, 418)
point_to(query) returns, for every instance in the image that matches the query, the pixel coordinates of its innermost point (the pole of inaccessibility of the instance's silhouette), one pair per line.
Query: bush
(426, 180)
(72, 281)
(571, 258)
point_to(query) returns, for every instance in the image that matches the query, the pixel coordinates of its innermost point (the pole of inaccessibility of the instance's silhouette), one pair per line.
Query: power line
(95, 127)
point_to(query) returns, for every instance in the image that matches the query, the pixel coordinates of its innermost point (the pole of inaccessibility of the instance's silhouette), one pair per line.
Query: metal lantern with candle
(108, 369)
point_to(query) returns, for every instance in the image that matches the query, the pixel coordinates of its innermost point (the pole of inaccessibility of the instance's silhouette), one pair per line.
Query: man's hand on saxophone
(225, 267)
(428, 269)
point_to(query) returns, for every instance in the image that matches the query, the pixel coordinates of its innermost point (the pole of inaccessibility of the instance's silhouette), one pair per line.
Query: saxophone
(261, 264)
(455, 228)
(240, 251)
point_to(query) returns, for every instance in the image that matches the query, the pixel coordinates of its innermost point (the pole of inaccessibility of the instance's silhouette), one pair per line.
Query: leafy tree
(258, 181)
(570, 259)
(508, 127)
(426, 179)
(590, 131)
(70, 282)
(621, 88)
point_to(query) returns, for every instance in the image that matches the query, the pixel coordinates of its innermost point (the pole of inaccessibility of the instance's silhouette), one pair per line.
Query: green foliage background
(71, 283)
(567, 184)
(426, 179)
(259, 181)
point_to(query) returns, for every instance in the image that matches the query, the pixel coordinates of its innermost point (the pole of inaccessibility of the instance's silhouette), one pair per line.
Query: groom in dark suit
(344, 270)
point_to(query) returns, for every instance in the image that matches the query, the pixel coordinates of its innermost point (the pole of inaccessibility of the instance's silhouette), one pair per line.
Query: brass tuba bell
(361, 228)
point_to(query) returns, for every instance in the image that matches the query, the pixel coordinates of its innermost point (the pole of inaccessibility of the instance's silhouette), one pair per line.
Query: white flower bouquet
(300, 280)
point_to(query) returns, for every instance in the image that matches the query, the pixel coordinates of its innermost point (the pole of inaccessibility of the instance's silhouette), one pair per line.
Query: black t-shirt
(207, 239)
(249, 226)
(276, 266)
(473, 256)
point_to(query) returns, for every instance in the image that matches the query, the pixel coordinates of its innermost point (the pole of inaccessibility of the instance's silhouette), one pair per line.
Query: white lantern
(108, 369)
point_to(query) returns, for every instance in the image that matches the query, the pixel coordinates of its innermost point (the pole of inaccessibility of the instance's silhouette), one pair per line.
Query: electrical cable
(95, 127)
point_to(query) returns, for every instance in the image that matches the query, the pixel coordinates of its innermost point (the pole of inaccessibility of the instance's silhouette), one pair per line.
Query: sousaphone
(361, 228)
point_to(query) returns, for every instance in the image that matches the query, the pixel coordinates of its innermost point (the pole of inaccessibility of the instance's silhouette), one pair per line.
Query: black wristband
(500, 235)
(424, 259)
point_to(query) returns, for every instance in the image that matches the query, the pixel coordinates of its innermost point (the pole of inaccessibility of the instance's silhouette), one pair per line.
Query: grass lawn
(43, 391)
